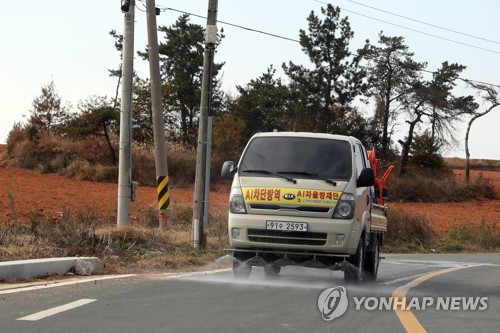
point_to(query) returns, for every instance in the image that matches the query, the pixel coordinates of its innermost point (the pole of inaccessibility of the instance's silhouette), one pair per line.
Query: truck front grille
(287, 237)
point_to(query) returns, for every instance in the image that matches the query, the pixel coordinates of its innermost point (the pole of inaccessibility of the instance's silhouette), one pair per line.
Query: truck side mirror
(366, 178)
(228, 170)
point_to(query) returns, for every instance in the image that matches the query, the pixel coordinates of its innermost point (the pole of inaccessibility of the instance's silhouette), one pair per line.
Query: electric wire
(137, 6)
(426, 23)
(234, 25)
(414, 30)
(164, 8)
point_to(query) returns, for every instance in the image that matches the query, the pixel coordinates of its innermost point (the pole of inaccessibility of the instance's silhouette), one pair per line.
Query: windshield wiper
(270, 173)
(311, 175)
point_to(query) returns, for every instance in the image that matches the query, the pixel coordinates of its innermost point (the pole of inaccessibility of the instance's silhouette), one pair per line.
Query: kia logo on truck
(288, 196)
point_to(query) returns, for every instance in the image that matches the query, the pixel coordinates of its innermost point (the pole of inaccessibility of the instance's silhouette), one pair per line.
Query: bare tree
(490, 95)
(434, 100)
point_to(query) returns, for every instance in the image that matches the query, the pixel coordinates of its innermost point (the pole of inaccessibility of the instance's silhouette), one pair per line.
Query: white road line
(428, 263)
(416, 276)
(56, 310)
(45, 285)
(168, 276)
(404, 278)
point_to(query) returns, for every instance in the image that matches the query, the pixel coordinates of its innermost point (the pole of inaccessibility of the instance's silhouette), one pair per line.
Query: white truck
(305, 199)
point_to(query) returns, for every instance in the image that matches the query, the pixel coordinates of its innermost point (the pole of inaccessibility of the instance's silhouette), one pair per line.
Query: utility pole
(200, 232)
(125, 155)
(158, 123)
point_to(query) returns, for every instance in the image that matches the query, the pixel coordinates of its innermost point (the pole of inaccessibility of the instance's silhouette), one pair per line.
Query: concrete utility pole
(125, 154)
(158, 124)
(199, 233)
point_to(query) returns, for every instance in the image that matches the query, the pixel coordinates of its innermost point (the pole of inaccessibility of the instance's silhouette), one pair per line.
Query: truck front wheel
(354, 274)
(372, 260)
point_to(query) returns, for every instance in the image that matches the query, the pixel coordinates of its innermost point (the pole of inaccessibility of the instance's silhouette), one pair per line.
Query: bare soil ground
(46, 195)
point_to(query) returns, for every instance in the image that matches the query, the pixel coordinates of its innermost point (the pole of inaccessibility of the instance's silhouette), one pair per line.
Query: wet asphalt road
(216, 302)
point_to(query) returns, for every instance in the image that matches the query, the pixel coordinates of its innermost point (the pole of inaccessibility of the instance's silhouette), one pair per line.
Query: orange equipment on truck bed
(380, 183)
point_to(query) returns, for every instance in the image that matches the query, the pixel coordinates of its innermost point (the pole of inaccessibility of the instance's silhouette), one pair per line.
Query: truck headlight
(345, 207)
(236, 202)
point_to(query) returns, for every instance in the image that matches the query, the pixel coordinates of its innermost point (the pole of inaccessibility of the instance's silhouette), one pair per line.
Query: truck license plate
(286, 226)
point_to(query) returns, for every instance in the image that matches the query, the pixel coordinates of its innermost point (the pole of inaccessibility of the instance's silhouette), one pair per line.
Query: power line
(465, 80)
(414, 30)
(234, 25)
(291, 39)
(422, 22)
(137, 6)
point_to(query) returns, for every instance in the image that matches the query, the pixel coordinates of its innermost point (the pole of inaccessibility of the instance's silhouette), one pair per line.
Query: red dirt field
(46, 195)
(443, 216)
(49, 195)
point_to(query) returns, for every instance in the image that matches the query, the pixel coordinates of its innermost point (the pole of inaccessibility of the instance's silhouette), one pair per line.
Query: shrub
(139, 246)
(84, 170)
(143, 164)
(181, 164)
(95, 150)
(425, 153)
(441, 187)
(227, 136)
(409, 231)
(471, 237)
(17, 135)
(482, 187)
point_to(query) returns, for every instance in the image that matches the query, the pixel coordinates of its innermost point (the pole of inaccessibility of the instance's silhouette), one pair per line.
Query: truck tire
(272, 270)
(355, 273)
(241, 269)
(372, 260)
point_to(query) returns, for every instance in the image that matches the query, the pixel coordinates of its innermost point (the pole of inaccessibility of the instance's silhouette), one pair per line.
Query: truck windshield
(326, 158)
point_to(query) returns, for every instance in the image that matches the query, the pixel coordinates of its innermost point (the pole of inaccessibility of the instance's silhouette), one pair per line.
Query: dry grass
(475, 164)
(407, 232)
(414, 234)
(439, 188)
(140, 247)
(91, 159)
(485, 237)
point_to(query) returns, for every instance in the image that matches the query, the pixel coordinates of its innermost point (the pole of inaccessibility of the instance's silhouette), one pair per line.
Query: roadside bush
(95, 150)
(84, 170)
(471, 237)
(181, 164)
(17, 135)
(139, 247)
(441, 187)
(227, 136)
(408, 232)
(483, 187)
(143, 164)
(86, 159)
(40, 155)
(425, 154)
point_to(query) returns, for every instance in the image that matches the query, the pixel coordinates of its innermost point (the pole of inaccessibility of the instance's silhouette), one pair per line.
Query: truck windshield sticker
(293, 196)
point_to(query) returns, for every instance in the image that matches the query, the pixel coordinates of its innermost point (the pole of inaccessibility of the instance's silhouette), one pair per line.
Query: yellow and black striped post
(163, 199)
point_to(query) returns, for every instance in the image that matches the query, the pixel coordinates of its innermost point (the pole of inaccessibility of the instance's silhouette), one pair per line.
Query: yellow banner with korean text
(290, 196)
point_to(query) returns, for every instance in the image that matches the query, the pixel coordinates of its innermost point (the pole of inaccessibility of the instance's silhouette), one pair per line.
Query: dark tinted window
(326, 157)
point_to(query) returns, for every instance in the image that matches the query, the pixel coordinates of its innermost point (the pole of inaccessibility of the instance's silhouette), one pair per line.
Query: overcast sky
(68, 42)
